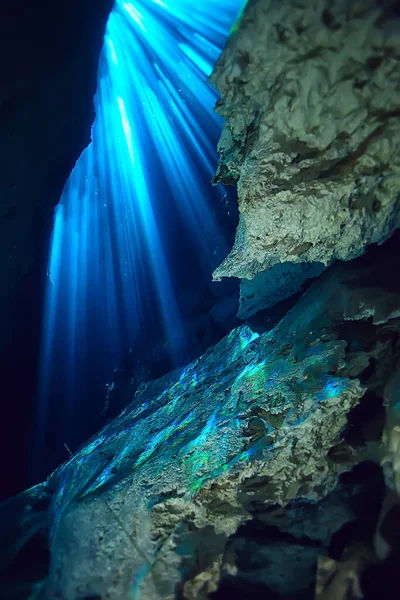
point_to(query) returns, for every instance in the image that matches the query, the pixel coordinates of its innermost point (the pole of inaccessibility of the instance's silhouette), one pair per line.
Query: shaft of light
(143, 182)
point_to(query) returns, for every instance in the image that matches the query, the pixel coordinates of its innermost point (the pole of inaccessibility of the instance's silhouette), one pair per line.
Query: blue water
(139, 224)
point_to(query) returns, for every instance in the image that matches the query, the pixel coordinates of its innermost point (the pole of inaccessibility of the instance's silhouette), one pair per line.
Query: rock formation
(269, 467)
(274, 285)
(163, 502)
(310, 97)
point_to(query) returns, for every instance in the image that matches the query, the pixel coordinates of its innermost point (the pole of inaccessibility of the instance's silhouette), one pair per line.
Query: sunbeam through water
(139, 218)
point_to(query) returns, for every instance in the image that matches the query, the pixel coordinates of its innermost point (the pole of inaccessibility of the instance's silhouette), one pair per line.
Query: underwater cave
(200, 308)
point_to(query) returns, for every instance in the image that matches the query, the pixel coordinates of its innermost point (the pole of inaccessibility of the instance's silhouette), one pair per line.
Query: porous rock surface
(310, 97)
(150, 506)
(274, 285)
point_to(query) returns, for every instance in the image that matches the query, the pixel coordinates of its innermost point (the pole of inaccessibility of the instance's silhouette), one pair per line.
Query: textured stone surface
(391, 435)
(310, 97)
(281, 566)
(274, 285)
(148, 505)
(278, 549)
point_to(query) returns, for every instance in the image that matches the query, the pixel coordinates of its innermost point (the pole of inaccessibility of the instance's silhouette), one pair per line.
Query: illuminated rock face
(310, 98)
(149, 505)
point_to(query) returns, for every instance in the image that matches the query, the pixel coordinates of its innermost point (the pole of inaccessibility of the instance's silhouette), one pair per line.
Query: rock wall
(49, 54)
(231, 477)
(310, 97)
(166, 500)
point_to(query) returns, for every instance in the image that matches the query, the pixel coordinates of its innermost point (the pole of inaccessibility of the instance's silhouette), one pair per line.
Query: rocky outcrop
(239, 473)
(310, 98)
(49, 57)
(276, 284)
(163, 502)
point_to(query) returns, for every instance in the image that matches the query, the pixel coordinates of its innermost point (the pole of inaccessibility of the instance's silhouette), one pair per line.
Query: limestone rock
(278, 548)
(276, 284)
(310, 97)
(147, 507)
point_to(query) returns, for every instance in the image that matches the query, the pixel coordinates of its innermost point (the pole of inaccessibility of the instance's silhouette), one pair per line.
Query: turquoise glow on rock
(153, 156)
(232, 415)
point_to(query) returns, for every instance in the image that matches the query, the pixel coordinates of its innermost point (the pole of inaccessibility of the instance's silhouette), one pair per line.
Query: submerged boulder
(274, 285)
(150, 507)
(310, 99)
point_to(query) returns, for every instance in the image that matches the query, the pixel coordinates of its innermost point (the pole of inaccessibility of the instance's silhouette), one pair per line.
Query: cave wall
(237, 476)
(49, 55)
(310, 98)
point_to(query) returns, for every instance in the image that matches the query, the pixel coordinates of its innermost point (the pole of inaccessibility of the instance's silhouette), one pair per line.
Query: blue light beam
(140, 188)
